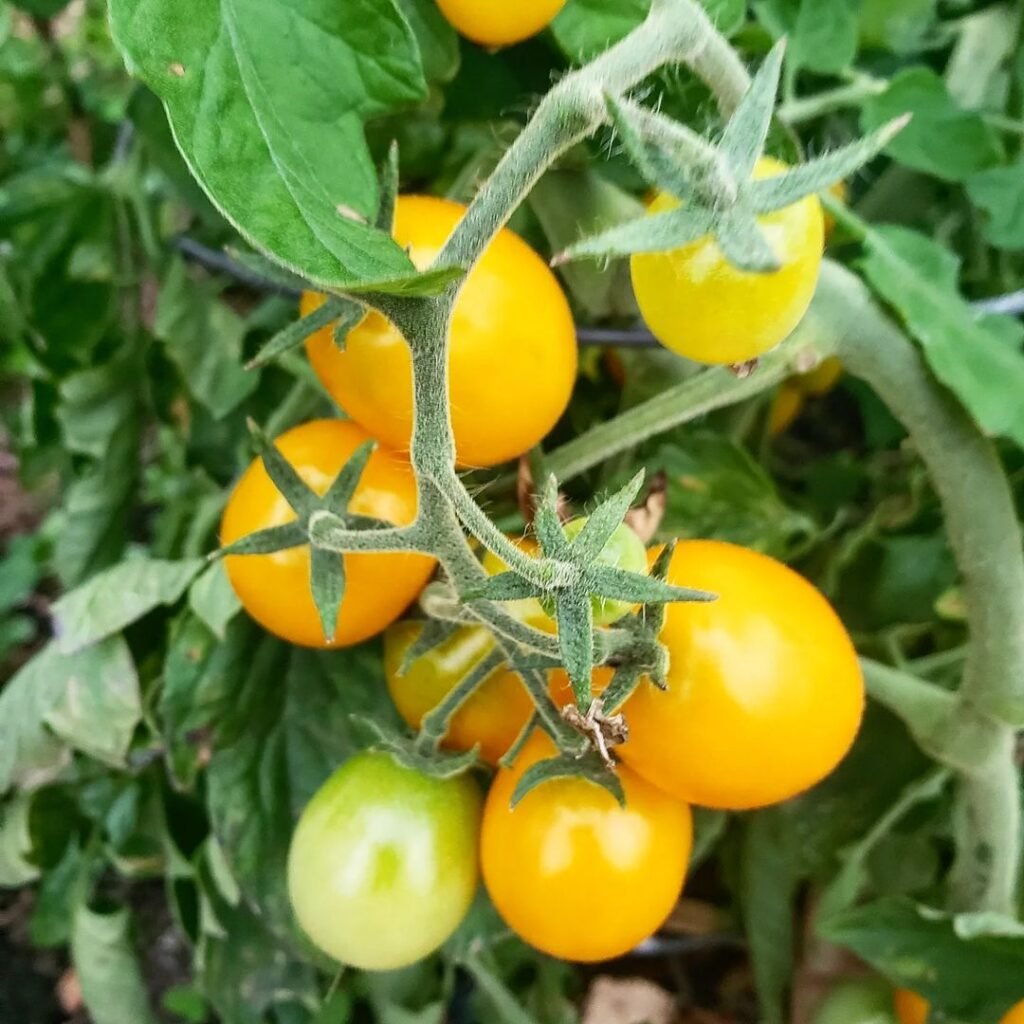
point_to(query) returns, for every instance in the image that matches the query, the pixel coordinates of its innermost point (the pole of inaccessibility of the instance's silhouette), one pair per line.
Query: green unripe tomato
(857, 1002)
(383, 863)
(623, 550)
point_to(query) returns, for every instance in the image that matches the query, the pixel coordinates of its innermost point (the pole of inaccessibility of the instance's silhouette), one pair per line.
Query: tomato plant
(764, 693)
(567, 843)
(702, 307)
(275, 588)
(512, 359)
(383, 865)
(335, 420)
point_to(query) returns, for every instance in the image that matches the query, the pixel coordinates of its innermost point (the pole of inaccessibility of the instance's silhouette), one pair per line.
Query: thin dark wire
(1011, 304)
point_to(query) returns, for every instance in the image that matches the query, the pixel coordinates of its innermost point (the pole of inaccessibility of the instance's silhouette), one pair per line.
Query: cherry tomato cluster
(764, 694)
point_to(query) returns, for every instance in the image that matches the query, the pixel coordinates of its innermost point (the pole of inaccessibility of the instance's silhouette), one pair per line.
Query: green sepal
(775, 193)
(388, 179)
(610, 581)
(283, 476)
(604, 521)
(546, 524)
(744, 137)
(339, 494)
(625, 680)
(335, 308)
(664, 151)
(656, 233)
(589, 767)
(439, 765)
(575, 616)
(433, 633)
(327, 584)
(744, 244)
(508, 758)
(505, 586)
(266, 542)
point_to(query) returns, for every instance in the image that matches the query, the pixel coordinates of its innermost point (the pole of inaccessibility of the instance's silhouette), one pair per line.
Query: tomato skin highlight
(383, 864)
(512, 355)
(765, 693)
(492, 717)
(571, 872)
(499, 24)
(275, 588)
(702, 307)
(913, 1009)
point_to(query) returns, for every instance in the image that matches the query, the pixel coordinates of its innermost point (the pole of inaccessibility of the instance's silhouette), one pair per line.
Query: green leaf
(999, 193)
(283, 720)
(108, 969)
(437, 40)
(943, 139)
(16, 843)
(118, 597)
(973, 973)
(975, 364)
(203, 337)
(212, 598)
(589, 767)
(93, 698)
(717, 490)
(824, 37)
(305, 190)
(575, 202)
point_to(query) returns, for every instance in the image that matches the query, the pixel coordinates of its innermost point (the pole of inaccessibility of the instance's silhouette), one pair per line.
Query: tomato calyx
(714, 185)
(410, 752)
(327, 570)
(603, 731)
(587, 586)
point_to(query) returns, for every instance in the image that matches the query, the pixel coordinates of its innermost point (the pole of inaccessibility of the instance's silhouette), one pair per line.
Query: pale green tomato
(623, 550)
(383, 863)
(864, 1001)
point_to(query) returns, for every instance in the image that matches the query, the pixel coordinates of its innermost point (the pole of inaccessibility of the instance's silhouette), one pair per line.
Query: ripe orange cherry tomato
(383, 864)
(913, 1009)
(493, 716)
(701, 306)
(275, 588)
(765, 693)
(572, 872)
(499, 24)
(512, 357)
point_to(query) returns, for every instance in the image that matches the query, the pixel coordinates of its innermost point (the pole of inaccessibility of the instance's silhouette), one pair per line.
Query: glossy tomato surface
(512, 357)
(701, 306)
(765, 693)
(573, 873)
(499, 24)
(275, 588)
(383, 864)
(492, 717)
(913, 1009)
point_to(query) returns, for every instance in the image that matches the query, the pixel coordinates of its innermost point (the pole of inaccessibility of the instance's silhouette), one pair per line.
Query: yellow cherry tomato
(913, 1009)
(573, 873)
(701, 306)
(492, 717)
(512, 355)
(499, 24)
(275, 588)
(765, 693)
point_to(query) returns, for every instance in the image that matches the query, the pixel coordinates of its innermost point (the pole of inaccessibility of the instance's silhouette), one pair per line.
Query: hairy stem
(986, 540)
